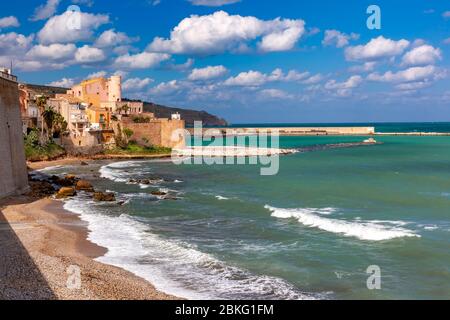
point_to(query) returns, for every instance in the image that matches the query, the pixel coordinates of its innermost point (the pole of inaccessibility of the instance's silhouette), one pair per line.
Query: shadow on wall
(20, 279)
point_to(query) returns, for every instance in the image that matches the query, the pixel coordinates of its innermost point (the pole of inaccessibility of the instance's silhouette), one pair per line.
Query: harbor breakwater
(286, 131)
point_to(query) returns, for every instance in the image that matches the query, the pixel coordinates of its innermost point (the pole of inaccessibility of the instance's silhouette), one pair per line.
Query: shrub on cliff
(35, 151)
(141, 119)
(135, 149)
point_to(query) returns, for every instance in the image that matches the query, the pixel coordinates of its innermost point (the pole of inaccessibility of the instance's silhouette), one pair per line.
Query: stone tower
(115, 89)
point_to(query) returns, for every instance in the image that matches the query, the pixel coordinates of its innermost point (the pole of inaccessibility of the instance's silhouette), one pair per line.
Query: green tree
(126, 108)
(49, 116)
(128, 132)
(59, 124)
(41, 103)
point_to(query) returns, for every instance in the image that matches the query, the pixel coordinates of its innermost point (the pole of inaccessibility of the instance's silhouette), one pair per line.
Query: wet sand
(67, 161)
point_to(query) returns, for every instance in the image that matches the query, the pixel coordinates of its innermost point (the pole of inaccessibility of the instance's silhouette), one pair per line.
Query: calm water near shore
(309, 232)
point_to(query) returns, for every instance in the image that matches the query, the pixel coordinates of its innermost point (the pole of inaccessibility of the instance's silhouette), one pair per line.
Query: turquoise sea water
(311, 231)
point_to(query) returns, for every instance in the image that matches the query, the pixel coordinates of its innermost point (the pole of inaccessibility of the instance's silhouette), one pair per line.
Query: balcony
(78, 119)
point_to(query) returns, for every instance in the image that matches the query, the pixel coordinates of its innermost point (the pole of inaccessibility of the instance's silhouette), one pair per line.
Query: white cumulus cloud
(46, 10)
(87, 54)
(220, 32)
(276, 94)
(376, 48)
(142, 60)
(165, 88)
(58, 29)
(63, 83)
(136, 84)
(256, 78)
(352, 82)
(8, 22)
(338, 38)
(344, 89)
(111, 38)
(207, 73)
(14, 43)
(412, 74)
(422, 55)
(212, 3)
(54, 51)
(98, 74)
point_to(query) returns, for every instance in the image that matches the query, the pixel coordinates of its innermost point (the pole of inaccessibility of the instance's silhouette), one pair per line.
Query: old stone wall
(157, 132)
(13, 169)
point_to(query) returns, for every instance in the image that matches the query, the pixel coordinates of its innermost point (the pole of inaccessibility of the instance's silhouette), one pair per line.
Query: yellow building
(99, 90)
(99, 94)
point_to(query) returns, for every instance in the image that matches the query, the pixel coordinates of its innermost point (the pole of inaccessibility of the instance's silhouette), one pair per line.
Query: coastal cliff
(188, 115)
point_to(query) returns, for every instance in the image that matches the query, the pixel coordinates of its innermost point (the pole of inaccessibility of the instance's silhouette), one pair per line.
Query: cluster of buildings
(95, 112)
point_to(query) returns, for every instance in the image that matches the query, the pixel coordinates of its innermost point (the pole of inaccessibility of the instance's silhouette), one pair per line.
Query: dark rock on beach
(66, 192)
(104, 197)
(84, 185)
(40, 189)
(67, 181)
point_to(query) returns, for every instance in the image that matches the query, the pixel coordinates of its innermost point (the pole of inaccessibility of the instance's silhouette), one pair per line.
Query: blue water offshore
(309, 232)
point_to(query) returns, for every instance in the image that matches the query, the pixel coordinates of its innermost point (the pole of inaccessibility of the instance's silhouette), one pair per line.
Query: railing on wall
(8, 76)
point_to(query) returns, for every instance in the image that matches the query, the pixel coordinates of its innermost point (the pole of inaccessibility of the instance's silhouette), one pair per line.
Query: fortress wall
(157, 132)
(13, 169)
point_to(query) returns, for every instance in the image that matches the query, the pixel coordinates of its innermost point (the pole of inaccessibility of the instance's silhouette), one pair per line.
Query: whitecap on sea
(364, 230)
(222, 198)
(122, 171)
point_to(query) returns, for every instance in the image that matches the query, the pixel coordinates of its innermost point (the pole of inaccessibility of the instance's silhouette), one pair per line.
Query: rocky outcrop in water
(104, 197)
(84, 185)
(158, 193)
(150, 180)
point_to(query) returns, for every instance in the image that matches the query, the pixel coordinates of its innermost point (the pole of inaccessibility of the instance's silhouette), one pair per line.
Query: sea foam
(175, 267)
(218, 197)
(364, 230)
(116, 171)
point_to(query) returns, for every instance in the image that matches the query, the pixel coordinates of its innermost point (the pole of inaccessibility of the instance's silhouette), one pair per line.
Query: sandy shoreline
(77, 160)
(40, 241)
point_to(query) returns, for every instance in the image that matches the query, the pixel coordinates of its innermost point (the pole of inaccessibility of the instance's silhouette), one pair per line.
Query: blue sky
(247, 61)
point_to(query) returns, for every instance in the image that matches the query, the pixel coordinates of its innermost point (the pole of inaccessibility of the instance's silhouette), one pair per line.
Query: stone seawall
(13, 169)
(157, 132)
(292, 131)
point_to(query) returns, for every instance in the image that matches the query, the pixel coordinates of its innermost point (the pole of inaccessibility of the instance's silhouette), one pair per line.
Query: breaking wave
(116, 171)
(364, 230)
(175, 267)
